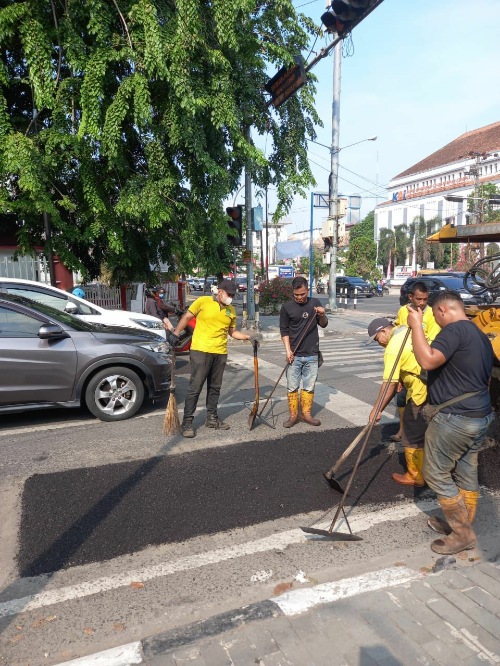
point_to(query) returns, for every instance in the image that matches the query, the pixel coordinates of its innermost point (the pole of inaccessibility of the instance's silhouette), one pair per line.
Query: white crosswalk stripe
(344, 355)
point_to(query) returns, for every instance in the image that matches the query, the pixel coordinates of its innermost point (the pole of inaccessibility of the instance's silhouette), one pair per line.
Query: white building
(471, 159)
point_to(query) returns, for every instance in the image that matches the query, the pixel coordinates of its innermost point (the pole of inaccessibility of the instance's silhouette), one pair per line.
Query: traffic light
(344, 15)
(236, 225)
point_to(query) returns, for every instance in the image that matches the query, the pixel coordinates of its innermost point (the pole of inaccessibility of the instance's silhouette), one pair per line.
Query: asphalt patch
(94, 514)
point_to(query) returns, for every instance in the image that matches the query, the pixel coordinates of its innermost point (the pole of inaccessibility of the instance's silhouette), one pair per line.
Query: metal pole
(311, 252)
(333, 183)
(267, 241)
(248, 218)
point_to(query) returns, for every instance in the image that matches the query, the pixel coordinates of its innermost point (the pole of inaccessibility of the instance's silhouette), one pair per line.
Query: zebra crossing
(343, 355)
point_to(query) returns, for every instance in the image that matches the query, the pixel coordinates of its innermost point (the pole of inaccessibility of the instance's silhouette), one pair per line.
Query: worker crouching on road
(301, 341)
(409, 373)
(215, 320)
(459, 364)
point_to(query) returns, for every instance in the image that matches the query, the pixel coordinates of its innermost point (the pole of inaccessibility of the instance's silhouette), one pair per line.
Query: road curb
(291, 603)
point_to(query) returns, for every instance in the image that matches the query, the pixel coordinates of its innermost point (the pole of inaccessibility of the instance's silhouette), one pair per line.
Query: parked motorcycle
(186, 336)
(320, 288)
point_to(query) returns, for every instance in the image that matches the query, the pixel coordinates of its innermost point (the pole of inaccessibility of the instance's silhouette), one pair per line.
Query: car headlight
(147, 323)
(466, 296)
(157, 347)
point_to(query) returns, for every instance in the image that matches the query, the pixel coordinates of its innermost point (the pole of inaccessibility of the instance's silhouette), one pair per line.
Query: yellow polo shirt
(213, 322)
(408, 370)
(429, 324)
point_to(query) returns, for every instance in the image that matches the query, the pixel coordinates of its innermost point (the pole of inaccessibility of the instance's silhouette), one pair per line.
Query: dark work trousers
(209, 368)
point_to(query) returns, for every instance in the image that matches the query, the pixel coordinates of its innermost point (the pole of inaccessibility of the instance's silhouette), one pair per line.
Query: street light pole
(333, 181)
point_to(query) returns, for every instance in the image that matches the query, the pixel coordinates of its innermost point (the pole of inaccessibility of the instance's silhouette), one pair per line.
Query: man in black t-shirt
(459, 361)
(300, 337)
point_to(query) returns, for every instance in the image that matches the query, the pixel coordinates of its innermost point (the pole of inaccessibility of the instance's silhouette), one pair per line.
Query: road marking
(279, 541)
(368, 375)
(131, 653)
(299, 601)
(351, 409)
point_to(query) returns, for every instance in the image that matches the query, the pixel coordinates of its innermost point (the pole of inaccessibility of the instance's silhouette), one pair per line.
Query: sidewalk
(395, 617)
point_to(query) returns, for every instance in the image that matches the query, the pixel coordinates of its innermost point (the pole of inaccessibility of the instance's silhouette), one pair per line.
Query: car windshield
(44, 309)
(357, 280)
(453, 283)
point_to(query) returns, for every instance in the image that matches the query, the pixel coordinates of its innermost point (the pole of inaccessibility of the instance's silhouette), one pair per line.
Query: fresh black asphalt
(93, 514)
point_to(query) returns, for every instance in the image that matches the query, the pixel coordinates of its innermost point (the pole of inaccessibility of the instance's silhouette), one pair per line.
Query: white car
(65, 302)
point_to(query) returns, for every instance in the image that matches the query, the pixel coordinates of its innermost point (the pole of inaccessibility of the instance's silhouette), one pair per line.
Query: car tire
(114, 394)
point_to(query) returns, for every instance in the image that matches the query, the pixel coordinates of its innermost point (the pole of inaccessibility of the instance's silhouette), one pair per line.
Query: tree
(127, 124)
(360, 258)
(319, 268)
(365, 228)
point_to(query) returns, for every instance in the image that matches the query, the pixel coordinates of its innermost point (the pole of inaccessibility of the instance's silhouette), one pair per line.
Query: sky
(418, 74)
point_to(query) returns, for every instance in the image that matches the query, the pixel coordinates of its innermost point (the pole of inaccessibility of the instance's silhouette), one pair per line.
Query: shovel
(255, 406)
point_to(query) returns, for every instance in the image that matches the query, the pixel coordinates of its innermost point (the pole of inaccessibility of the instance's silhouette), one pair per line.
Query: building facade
(456, 169)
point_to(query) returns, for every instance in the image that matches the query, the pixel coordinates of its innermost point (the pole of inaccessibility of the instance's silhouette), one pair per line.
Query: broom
(171, 423)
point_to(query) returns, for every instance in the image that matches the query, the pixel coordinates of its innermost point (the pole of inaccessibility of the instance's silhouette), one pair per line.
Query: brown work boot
(187, 428)
(293, 408)
(462, 536)
(471, 498)
(306, 403)
(414, 462)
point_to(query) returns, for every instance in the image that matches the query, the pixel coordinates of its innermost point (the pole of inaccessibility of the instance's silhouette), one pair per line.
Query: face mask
(162, 296)
(227, 301)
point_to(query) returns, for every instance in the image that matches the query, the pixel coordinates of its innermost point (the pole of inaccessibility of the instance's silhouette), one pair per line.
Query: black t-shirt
(469, 362)
(294, 318)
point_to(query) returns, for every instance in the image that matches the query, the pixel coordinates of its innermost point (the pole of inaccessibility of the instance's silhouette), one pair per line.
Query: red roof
(482, 140)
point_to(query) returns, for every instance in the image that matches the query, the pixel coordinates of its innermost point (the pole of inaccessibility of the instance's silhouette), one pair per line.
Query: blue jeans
(452, 445)
(305, 367)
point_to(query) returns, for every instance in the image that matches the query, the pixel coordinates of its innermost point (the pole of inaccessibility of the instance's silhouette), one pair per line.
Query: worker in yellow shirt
(408, 372)
(419, 298)
(215, 320)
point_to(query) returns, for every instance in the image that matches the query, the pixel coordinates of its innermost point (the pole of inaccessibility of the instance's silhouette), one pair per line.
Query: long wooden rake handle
(369, 431)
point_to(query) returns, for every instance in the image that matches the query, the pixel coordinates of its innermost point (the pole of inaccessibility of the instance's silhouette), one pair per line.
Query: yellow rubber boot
(293, 408)
(471, 498)
(414, 463)
(306, 403)
(462, 536)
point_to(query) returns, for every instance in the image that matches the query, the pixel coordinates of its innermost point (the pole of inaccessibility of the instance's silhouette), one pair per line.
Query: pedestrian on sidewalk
(459, 364)
(418, 296)
(215, 320)
(295, 317)
(409, 374)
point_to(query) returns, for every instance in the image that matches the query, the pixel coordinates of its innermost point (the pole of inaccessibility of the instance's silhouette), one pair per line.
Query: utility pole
(333, 182)
(249, 247)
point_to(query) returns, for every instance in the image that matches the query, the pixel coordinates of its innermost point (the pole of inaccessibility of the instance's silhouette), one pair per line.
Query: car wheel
(114, 394)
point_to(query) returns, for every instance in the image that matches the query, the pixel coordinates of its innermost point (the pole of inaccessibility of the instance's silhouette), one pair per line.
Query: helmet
(78, 291)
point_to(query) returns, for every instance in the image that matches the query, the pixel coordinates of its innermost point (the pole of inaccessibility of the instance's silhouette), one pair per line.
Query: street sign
(246, 256)
(320, 200)
(286, 271)
(286, 82)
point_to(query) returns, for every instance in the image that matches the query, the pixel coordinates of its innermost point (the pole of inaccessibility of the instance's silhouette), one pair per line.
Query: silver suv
(52, 359)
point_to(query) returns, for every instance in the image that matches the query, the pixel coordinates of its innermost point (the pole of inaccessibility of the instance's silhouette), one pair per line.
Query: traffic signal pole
(249, 243)
(333, 181)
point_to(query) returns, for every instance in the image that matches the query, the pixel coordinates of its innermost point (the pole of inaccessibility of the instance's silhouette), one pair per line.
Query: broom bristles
(171, 422)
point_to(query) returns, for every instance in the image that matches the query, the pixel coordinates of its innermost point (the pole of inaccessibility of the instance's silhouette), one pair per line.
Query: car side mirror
(51, 332)
(71, 308)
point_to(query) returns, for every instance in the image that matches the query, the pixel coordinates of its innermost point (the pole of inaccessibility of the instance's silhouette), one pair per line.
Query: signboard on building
(401, 273)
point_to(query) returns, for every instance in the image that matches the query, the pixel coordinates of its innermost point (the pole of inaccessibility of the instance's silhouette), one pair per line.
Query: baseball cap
(376, 326)
(229, 287)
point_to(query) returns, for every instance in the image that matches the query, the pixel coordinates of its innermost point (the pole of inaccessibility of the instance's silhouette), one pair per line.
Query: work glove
(256, 338)
(172, 339)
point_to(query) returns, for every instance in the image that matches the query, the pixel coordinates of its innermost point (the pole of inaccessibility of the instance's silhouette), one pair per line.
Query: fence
(24, 268)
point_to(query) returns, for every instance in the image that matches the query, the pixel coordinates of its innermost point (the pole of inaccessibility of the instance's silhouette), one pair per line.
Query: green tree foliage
(319, 268)
(365, 228)
(360, 259)
(127, 122)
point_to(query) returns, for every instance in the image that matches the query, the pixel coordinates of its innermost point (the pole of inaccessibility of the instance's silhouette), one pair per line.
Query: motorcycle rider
(153, 308)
